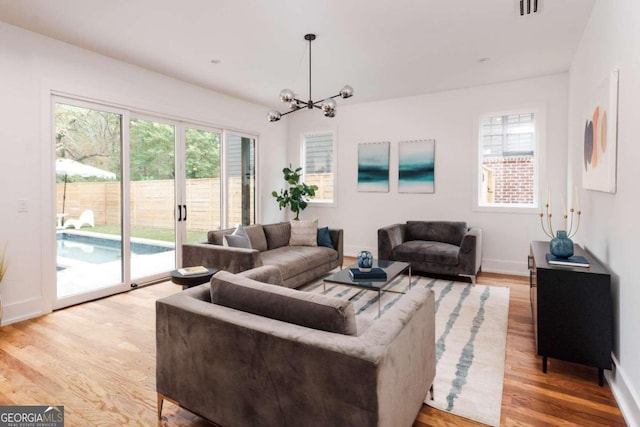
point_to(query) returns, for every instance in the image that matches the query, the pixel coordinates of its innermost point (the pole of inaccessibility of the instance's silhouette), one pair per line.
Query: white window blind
(318, 164)
(508, 135)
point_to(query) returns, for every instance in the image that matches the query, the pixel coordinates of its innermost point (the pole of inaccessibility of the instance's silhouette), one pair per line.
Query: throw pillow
(238, 239)
(304, 233)
(256, 237)
(324, 237)
(277, 235)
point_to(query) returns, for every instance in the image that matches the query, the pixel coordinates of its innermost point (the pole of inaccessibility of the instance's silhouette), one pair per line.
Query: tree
(151, 150)
(202, 154)
(89, 136)
(94, 137)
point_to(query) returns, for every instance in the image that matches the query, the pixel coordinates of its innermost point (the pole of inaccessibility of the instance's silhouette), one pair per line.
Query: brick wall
(508, 179)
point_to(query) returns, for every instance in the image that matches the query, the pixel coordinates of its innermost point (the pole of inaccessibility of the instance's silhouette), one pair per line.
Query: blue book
(572, 261)
(374, 274)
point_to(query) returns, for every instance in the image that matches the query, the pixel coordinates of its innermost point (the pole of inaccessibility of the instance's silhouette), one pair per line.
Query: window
(241, 174)
(507, 175)
(318, 165)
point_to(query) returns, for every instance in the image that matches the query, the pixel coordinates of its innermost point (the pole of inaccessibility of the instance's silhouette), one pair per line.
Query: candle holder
(561, 244)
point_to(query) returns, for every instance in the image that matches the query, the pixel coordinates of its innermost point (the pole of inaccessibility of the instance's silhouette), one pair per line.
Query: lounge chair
(86, 217)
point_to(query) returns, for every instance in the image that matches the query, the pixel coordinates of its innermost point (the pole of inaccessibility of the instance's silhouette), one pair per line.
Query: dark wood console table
(572, 310)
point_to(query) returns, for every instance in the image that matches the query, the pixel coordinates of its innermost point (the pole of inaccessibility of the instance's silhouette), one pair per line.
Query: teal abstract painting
(416, 166)
(373, 167)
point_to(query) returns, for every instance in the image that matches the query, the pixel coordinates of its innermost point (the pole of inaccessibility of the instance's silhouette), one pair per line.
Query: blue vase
(365, 260)
(561, 246)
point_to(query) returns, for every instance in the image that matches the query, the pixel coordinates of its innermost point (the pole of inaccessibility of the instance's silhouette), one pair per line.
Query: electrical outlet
(23, 206)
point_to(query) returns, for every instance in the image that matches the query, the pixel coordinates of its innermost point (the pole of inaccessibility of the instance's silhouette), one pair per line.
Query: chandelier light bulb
(346, 91)
(294, 106)
(329, 107)
(273, 116)
(287, 95)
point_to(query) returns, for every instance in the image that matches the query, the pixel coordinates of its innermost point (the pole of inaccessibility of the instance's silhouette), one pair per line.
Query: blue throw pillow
(324, 238)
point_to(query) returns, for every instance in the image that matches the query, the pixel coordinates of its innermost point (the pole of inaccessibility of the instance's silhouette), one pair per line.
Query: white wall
(612, 40)
(452, 119)
(32, 65)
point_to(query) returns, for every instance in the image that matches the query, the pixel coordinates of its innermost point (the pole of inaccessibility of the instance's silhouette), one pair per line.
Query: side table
(190, 280)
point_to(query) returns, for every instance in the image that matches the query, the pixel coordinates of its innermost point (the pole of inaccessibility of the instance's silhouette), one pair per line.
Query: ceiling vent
(528, 7)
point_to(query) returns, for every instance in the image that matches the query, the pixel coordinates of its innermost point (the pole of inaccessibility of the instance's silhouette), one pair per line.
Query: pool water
(98, 250)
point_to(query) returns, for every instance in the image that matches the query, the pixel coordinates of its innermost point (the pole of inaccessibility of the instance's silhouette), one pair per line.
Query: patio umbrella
(69, 167)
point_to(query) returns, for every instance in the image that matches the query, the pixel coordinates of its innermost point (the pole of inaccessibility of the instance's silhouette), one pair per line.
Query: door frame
(125, 247)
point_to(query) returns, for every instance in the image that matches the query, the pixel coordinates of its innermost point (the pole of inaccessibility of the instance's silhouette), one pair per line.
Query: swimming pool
(99, 250)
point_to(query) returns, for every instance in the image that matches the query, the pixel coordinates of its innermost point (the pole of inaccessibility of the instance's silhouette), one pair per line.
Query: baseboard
(15, 312)
(352, 251)
(627, 399)
(505, 267)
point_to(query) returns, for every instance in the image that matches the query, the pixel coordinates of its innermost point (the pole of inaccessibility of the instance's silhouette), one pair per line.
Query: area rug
(471, 335)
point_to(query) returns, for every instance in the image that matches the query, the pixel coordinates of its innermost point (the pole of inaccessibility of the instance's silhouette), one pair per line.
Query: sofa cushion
(324, 237)
(256, 237)
(425, 251)
(277, 234)
(315, 311)
(304, 233)
(436, 231)
(296, 260)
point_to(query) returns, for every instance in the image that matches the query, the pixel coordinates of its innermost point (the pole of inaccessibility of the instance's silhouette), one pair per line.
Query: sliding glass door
(240, 166)
(152, 201)
(88, 193)
(202, 209)
(131, 188)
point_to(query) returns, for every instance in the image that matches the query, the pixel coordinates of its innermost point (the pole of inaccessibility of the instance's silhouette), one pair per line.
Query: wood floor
(98, 360)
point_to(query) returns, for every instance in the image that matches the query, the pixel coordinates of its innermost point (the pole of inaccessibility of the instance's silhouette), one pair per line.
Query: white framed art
(601, 137)
(416, 166)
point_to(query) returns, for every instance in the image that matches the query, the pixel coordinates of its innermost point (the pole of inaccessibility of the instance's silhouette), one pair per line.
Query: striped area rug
(471, 334)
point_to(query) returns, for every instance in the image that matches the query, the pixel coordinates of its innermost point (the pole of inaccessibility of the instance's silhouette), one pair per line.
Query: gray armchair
(436, 247)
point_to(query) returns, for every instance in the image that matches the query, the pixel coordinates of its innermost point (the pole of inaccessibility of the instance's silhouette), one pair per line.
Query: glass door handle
(185, 212)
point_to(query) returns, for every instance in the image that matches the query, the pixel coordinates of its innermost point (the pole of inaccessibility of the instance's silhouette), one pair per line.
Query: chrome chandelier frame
(327, 105)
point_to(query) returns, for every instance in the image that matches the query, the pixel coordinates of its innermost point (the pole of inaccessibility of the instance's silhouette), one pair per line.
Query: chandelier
(327, 105)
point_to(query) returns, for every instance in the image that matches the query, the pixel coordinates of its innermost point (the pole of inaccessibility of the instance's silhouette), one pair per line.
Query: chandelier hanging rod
(327, 105)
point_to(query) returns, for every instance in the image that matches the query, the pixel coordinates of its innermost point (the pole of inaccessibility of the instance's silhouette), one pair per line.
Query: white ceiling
(383, 48)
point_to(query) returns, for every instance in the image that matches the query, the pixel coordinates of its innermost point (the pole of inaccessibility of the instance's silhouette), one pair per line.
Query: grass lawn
(162, 234)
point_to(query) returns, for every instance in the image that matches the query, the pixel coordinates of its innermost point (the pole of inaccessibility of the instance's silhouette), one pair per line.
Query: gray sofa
(270, 246)
(265, 355)
(437, 247)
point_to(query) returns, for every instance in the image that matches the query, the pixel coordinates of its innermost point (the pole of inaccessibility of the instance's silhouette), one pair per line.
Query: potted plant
(298, 193)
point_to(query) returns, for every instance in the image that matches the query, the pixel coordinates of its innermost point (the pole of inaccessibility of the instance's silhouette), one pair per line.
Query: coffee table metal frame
(392, 268)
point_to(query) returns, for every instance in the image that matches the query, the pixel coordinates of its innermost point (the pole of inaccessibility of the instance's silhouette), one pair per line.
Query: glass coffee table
(392, 268)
